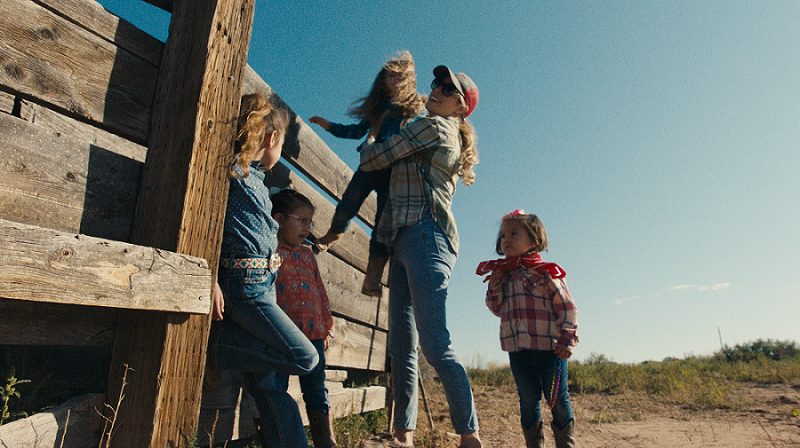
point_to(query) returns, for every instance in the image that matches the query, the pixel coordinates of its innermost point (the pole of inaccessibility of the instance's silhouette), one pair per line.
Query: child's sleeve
(351, 131)
(566, 312)
(494, 295)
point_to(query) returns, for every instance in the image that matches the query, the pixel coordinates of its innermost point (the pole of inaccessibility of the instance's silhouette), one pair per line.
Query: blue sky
(658, 141)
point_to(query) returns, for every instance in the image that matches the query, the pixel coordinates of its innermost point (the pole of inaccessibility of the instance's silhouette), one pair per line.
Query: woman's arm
(417, 136)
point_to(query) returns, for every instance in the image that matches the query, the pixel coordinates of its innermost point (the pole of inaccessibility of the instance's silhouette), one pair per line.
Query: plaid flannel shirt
(424, 158)
(536, 311)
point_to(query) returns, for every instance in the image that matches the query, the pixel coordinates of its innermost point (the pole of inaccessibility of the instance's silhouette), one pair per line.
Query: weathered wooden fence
(114, 153)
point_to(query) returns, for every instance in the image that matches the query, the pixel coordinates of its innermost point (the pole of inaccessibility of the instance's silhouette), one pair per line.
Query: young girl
(302, 295)
(538, 324)
(251, 333)
(393, 95)
(427, 158)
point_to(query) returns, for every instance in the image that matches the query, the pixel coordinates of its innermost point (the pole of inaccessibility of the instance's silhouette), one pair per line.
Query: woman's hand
(375, 129)
(218, 302)
(323, 123)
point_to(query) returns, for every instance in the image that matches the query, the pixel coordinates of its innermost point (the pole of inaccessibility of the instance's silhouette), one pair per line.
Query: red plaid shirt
(536, 311)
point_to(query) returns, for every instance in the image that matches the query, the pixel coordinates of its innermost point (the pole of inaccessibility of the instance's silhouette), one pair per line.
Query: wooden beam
(44, 265)
(74, 424)
(181, 207)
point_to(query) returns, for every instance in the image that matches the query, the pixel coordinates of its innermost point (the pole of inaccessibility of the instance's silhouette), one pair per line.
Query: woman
(427, 158)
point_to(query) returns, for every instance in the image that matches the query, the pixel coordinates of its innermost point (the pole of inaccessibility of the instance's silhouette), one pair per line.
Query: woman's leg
(424, 254)
(402, 348)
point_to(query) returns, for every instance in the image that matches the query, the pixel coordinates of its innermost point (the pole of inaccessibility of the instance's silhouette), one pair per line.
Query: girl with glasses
(302, 295)
(426, 158)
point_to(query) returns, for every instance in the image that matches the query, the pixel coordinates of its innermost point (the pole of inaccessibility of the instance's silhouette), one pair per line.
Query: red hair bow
(514, 213)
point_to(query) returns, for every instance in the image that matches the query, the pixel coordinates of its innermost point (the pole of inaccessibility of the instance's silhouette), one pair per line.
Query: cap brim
(442, 72)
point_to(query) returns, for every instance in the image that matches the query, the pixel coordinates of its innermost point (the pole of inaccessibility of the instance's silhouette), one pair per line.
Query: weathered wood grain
(60, 124)
(39, 323)
(6, 102)
(47, 57)
(356, 346)
(95, 19)
(52, 180)
(46, 265)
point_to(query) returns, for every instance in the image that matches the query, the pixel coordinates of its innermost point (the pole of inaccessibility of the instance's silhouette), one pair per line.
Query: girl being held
(393, 96)
(251, 333)
(302, 295)
(538, 324)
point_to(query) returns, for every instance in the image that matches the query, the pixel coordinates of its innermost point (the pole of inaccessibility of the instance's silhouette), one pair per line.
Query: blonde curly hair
(257, 118)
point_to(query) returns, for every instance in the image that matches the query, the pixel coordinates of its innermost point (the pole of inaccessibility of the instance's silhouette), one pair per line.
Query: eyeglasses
(447, 89)
(305, 221)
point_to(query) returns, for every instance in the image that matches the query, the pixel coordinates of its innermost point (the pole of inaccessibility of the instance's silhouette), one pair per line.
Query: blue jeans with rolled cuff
(533, 372)
(418, 278)
(257, 337)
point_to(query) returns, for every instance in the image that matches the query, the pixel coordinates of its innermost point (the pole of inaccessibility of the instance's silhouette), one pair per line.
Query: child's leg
(256, 334)
(526, 366)
(378, 252)
(315, 395)
(562, 408)
(281, 424)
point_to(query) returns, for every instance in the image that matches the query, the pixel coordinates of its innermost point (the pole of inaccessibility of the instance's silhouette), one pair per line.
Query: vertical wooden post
(181, 207)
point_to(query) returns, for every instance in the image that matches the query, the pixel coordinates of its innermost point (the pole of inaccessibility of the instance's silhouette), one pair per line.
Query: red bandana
(506, 265)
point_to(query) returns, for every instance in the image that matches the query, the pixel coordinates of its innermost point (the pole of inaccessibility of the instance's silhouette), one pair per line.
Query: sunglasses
(447, 89)
(304, 221)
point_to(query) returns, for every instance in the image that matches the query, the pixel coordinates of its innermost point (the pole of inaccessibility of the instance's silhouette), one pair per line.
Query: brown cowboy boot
(372, 278)
(321, 429)
(534, 436)
(565, 438)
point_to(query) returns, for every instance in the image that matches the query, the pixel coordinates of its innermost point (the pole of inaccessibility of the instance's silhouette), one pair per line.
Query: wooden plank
(343, 284)
(37, 323)
(356, 346)
(91, 16)
(181, 207)
(52, 180)
(42, 52)
(44, 265)
(60, 124)
(75, 424)
(6, 102)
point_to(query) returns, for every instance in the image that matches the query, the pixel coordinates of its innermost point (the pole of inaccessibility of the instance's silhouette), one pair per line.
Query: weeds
(7, 392)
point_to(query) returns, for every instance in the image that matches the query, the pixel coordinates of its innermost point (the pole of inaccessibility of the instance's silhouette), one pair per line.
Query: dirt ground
(615, 421)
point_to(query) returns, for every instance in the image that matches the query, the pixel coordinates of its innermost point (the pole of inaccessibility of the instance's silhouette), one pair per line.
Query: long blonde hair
(257, 118)
(469, 152)
(408, 102)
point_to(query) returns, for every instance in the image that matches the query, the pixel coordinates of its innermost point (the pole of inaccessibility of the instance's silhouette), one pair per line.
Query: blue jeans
(533, 372)
(315, 394)
(257, 337)
(418, 277)
(360, 186)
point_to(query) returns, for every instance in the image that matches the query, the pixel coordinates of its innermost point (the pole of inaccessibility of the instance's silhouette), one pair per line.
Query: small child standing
(302, 295)
(393, 95)
(538, 324)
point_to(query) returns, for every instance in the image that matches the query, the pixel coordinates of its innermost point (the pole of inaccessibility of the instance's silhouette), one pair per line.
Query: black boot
(534, 436)
(565, 438)
(321, 429)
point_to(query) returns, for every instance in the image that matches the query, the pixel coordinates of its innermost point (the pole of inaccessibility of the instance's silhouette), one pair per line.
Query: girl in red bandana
(538, 324)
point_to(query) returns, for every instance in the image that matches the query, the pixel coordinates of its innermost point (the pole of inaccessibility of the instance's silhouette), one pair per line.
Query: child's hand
(562, 352)
(218, 302)
(323, 123)
(495, 279)
(328, 341)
